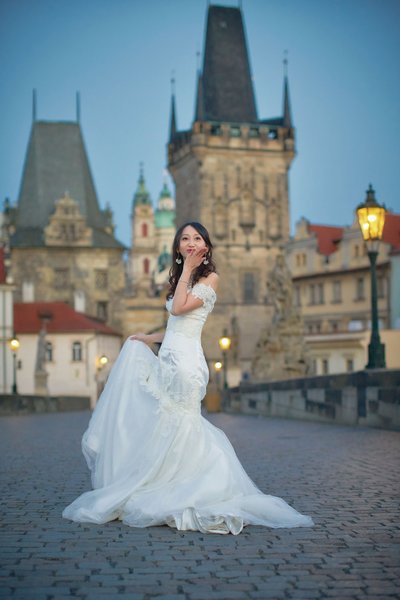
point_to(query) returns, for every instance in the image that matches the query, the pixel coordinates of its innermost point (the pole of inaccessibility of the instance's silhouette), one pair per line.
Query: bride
(153, 458)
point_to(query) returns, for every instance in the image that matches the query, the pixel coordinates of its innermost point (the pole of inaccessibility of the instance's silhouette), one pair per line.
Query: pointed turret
(172, 121)
(287, 113)
(142, 195)
(227, 86)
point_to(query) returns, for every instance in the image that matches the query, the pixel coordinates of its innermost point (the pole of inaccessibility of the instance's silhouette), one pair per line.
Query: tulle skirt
(154, 461)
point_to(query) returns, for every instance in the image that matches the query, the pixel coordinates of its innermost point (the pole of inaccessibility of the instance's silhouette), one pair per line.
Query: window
(77, 351)
(146, 266)
(235, 131)
(215, 130)
(61, 278)
(316, 293)
(325, 366)
(102, 310)
(260, 235)
(320, 293)
(336, 292)
(356, 251)
(272, 134)
(334, 326)
(349, 365)
(145, 230)
(249, 291)
(301, 260)
(101, 279)
(254, 132)
(233, 235)
(360, 289)
(49, 352)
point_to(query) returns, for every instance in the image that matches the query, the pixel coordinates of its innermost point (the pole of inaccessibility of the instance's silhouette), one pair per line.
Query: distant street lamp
(14, 346)
(103, 360)
(218, 366)
(225, 343)
(371, 218)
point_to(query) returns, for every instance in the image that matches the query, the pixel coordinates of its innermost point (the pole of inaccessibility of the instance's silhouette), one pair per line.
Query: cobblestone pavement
(346, 478)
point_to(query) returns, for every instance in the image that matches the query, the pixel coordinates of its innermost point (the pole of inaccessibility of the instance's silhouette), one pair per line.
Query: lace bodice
(191, 323)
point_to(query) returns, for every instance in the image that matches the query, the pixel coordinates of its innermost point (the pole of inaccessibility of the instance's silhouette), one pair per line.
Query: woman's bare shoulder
(211, 280)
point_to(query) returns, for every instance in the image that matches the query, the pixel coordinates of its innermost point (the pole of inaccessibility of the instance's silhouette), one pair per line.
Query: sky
(120, 54)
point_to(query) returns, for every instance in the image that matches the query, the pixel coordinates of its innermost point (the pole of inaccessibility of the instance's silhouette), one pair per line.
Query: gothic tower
(63, 246)
(231, 174)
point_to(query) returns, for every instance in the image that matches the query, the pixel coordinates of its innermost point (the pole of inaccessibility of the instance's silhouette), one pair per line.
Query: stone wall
(28, 404)
(363, 398)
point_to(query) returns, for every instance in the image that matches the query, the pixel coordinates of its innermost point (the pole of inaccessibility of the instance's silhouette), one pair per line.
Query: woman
(154, 459)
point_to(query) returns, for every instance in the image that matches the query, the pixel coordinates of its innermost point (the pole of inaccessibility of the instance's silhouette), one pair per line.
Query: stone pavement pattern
(346, 478)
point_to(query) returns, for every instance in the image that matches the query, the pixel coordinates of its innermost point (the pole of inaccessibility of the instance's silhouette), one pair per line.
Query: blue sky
(343, 75)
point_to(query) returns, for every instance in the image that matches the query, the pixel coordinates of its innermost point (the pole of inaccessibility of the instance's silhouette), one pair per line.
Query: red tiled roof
(2, 267)
(391, 230)
(63, 319)
(327, 237)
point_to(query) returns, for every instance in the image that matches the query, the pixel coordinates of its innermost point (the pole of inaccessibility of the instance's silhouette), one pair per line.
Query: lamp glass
(14, 344)
(224, 343)
(103, 360)
(218, 365)
(371, 220)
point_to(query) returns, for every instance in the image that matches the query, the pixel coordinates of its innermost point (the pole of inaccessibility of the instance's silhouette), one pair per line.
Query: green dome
(164, 219)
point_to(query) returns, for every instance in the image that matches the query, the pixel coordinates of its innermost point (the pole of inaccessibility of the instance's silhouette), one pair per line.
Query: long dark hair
(176, 269)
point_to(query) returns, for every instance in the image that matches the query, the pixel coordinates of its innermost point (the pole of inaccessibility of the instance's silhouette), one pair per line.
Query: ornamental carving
(67, 225)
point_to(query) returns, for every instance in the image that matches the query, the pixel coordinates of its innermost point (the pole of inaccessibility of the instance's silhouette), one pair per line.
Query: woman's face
(190, 241)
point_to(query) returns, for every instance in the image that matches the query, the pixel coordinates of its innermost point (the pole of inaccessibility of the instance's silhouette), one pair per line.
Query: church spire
(142, 195)
(172, 122)
(287, 113)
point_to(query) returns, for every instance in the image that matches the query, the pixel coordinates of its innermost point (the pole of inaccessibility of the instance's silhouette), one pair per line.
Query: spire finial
(78, 107)
(285, 63)
(141, 170)
(173, 82)
(34, 105)
(198, 59)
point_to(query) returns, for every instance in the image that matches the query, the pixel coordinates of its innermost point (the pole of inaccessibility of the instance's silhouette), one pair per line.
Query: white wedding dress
(154, 459)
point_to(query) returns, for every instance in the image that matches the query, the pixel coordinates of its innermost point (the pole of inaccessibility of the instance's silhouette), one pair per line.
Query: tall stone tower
(231, 174)
(62, 244)
(144, 251)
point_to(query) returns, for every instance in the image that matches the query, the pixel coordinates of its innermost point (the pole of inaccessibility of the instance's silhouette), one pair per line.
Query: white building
(62, 352)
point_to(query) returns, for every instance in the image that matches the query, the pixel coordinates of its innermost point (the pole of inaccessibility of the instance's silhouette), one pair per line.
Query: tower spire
(172, 122)
(287, 113)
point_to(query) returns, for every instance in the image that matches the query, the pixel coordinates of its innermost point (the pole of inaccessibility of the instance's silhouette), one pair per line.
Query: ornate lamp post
(371, 218)
(14, 346)
(225, 343)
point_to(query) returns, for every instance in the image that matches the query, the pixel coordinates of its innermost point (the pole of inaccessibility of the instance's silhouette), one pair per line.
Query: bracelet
(182, 281)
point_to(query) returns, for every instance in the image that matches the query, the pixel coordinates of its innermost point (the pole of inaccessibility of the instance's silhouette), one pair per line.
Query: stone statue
(281, 352)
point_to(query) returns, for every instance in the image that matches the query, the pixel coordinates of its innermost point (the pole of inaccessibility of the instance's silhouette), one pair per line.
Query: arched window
(76, 351)
(146, 266)
(49, 352)
(145, 230)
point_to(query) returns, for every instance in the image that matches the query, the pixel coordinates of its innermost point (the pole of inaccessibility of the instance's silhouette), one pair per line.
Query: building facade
(332, 288)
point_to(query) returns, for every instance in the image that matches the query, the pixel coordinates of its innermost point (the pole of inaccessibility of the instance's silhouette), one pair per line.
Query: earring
(178, 260)
(206, 261)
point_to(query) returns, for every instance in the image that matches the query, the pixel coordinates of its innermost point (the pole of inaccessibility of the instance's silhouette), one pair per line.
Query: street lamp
(14, 346)
(225, 343)
(371, 218)
(103, 360)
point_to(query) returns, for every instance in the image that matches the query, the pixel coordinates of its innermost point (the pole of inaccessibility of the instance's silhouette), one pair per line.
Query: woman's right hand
(140, 337)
